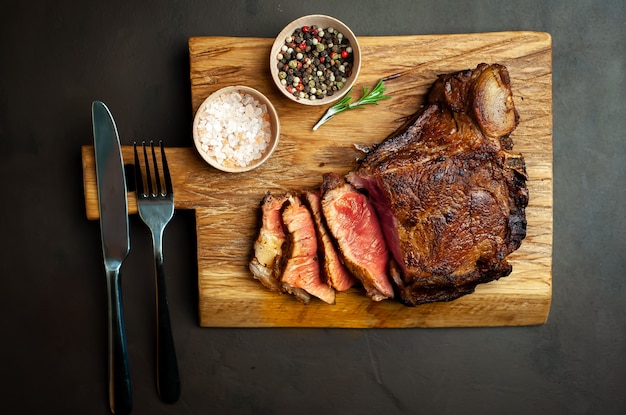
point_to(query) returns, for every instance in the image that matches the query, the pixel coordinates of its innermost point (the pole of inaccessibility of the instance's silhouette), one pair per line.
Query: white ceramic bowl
(211, 127)
(324, 22)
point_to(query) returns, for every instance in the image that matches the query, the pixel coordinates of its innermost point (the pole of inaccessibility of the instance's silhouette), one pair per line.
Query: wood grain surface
(226, 205)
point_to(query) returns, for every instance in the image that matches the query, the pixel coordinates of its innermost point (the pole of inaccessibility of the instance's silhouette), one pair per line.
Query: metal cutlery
(155, 203)
(115, 247)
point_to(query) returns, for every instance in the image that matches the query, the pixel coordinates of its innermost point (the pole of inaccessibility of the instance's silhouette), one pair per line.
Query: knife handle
(120, 398)
(168, 378)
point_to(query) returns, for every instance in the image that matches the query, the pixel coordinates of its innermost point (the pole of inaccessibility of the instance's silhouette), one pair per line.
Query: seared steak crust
(450, 197)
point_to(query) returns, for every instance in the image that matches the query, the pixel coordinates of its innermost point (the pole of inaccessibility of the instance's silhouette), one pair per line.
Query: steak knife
(115, 247)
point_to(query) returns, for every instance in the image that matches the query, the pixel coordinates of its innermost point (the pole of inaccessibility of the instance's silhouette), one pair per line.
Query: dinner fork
(156, 209)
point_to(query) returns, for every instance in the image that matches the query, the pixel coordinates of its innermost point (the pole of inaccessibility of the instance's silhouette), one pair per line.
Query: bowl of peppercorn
(315, 60)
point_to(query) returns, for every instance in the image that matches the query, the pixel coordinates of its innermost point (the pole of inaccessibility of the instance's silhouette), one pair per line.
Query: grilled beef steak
(301, 274)
(450, 196)
(269, 245)
(353, 223)
(334, 271)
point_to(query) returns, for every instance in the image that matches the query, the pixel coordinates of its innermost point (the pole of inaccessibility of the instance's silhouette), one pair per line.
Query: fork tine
(138, 175)
(166, 171)
(148, 175)
(157, 177)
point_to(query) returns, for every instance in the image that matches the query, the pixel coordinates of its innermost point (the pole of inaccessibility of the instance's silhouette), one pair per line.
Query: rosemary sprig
(344, 104)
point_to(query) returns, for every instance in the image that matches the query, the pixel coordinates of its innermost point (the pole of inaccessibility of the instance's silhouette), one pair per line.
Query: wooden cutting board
(226, 205)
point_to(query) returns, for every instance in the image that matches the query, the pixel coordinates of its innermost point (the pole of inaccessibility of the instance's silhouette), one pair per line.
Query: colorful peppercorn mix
(314, 62)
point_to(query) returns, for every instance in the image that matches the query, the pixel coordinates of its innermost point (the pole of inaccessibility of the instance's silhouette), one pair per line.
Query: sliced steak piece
(266, 264)
(353, 223)
(301, 274)
(450, 196)
(334, 271)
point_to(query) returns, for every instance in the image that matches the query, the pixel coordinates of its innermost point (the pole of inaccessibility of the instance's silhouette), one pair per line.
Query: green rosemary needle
(344, 104)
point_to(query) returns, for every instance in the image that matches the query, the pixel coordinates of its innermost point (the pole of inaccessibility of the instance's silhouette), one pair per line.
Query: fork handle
(120, 398)
(168, 378)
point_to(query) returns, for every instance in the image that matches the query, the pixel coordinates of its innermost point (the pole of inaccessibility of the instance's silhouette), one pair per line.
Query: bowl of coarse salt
(236, 129)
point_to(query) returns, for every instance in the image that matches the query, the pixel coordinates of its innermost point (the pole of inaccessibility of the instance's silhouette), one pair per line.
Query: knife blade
(115, 247)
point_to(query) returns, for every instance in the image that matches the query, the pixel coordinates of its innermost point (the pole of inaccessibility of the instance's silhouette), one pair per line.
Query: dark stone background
(57, 57)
